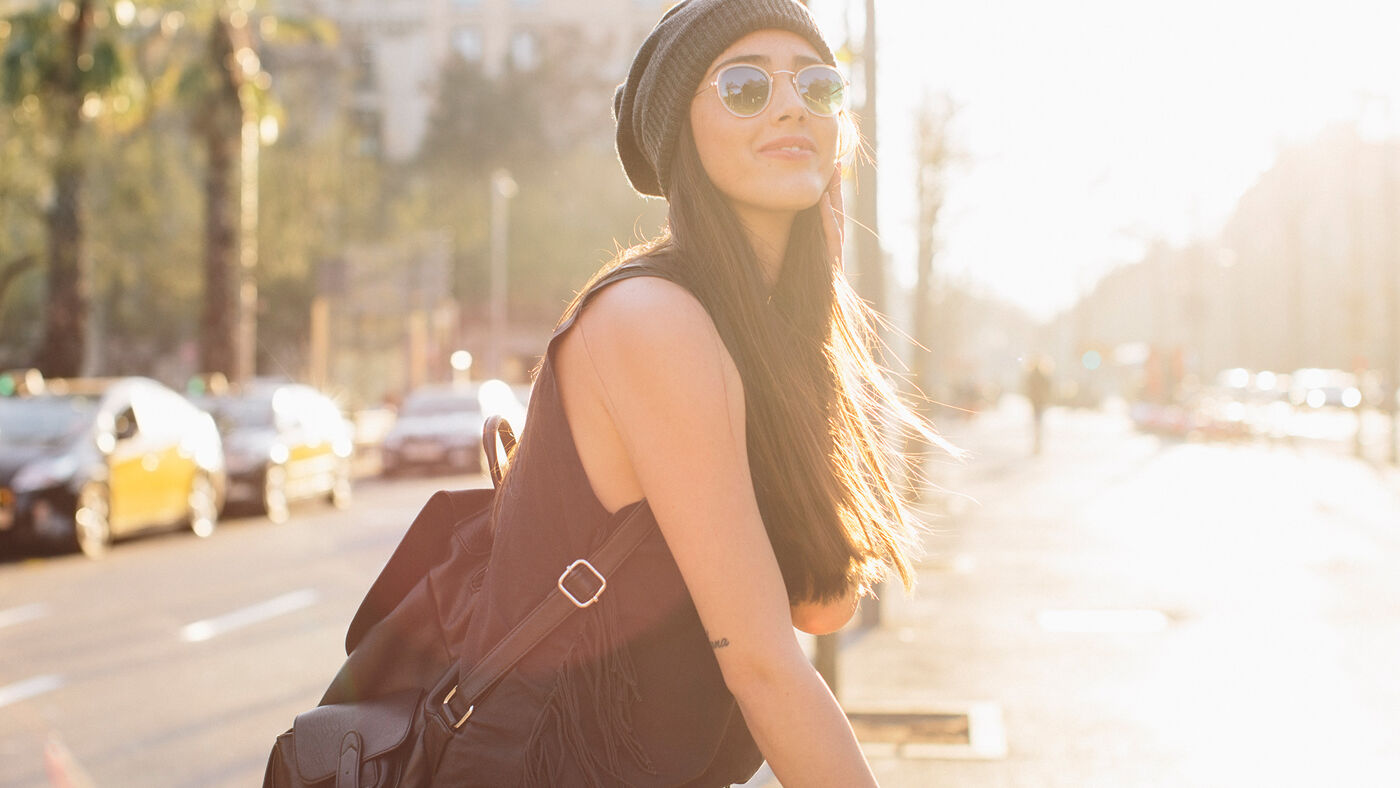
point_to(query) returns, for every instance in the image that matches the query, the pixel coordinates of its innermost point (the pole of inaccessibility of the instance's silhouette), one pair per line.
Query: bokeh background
(1140, 261)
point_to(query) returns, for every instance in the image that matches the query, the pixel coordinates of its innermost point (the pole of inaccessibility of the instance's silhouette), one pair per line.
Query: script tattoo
(718, 644)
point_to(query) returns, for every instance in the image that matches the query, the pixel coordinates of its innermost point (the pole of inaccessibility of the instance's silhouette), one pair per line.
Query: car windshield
(445, 404)
(43, 420)
(232, 413)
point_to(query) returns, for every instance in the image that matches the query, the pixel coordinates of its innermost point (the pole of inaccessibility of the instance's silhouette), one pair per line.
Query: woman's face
(780, 160)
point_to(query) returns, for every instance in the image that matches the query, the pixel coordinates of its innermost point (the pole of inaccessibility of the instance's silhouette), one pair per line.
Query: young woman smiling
(720, 380)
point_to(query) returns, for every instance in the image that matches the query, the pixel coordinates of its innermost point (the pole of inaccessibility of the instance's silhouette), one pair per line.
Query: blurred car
(1324, 388)
(1260, 400)
(439, 426)
(83, 461)
(283, 442)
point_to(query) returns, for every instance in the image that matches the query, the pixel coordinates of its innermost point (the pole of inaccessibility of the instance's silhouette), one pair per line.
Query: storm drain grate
(903, 728)
(972, 731)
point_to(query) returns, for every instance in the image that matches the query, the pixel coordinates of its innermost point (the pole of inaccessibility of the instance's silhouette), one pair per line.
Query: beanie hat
(651, 105)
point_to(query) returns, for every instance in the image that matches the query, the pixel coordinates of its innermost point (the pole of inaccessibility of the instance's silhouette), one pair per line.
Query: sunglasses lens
(744, 90)
(822, 88)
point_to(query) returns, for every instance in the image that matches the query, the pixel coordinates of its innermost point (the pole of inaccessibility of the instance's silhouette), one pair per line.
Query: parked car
(84, 461)
(439, 426)
(283, 442)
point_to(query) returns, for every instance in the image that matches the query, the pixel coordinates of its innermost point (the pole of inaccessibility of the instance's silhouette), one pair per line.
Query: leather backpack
(403, 692)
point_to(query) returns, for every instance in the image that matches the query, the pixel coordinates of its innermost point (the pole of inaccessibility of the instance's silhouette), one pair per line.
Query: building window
(467, 42)
(524, 51)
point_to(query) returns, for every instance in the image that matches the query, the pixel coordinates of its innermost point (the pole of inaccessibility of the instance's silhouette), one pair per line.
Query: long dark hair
(821, 416)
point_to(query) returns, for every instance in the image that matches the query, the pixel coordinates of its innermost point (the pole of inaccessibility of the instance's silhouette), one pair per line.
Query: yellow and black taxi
(85, 461)
(282, 442)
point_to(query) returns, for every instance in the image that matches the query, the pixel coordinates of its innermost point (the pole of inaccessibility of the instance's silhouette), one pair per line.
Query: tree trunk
(932, 150)
(870, 258)
(221, 127)
(64, 344)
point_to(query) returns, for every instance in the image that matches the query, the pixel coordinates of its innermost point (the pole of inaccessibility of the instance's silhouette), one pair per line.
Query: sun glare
(1090, 129)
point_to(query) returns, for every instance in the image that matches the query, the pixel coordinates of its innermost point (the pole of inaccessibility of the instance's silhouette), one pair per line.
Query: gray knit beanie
(651, 105)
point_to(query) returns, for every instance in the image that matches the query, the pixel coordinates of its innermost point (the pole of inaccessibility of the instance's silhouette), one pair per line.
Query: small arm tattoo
(718, 644)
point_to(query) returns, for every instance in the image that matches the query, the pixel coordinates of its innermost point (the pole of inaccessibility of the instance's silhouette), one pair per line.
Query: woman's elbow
(823, 618)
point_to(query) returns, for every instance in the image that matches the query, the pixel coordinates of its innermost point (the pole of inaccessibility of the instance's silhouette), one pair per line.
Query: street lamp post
(1390, 264)
(250, 144)
(503, 188)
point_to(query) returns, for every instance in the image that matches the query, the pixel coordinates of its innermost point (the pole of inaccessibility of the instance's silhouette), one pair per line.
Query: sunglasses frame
(772, 81)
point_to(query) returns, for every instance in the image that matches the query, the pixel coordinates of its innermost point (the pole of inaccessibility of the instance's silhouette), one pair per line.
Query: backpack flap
(376, 727)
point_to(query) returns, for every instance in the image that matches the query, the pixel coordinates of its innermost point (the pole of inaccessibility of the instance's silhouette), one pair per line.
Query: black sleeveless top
(627, 691)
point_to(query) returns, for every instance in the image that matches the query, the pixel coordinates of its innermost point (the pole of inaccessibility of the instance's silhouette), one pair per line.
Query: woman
(718, 378)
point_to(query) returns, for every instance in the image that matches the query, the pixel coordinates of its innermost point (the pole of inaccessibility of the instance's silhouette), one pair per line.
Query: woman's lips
(789, 148)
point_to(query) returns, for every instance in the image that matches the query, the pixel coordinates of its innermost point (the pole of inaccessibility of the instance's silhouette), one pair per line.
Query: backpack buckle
(577, 574)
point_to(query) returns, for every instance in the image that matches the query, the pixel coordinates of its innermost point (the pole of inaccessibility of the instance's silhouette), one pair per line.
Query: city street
(176, 661)
(1121, 610)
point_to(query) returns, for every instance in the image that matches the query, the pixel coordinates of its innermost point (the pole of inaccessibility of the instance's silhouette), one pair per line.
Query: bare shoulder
(650, 339)
(647, 314)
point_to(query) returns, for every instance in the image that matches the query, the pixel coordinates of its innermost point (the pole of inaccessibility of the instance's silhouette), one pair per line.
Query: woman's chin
(791, 200)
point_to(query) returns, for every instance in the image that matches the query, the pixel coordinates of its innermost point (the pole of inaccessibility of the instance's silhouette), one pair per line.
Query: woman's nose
(786, 101)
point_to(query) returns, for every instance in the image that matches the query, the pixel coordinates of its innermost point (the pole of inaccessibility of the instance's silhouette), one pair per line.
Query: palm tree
(64, 60)
(217, 88)
(227, 94)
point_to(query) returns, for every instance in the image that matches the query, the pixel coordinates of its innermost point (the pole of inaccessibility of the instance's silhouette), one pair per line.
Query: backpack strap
(496, 432)
(453, 697)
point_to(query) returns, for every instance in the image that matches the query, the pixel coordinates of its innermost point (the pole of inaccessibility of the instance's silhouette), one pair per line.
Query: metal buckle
(448, 708)
(602, 583)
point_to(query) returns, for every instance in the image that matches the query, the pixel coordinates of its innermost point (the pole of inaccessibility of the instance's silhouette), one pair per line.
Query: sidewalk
(942, 651)
(1105, 615)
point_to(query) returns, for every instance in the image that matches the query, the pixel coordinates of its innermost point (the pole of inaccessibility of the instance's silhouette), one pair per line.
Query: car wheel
(92, 525)
(203, 506)
(274, 494)
(341, 489)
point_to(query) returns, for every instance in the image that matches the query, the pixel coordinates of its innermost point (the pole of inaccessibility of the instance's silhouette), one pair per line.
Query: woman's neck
(768, 233)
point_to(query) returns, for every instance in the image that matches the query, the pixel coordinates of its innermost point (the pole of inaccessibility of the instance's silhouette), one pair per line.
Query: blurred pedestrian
(720, 378)
(1039, 386)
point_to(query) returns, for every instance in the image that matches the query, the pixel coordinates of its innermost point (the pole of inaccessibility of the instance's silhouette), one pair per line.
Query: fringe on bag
(595, 691)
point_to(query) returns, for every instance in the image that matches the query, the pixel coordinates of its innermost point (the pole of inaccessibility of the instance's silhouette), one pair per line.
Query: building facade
(399, 49)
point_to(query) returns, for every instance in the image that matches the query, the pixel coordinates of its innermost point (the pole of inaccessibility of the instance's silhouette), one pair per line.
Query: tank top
(627, 691)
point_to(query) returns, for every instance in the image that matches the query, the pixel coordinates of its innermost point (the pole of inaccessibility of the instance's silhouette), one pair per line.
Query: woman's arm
(677, 403)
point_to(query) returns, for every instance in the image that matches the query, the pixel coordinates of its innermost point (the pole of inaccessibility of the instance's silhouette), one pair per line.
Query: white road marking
(1103, 621)
(19, 615)
(29, 688)
(262, 611)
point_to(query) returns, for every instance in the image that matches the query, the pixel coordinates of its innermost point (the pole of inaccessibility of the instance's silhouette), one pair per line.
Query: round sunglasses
(745, 90)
